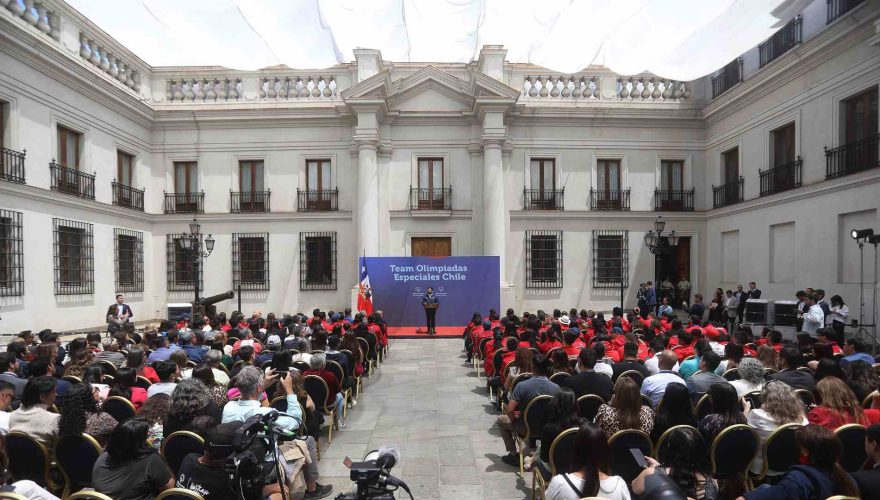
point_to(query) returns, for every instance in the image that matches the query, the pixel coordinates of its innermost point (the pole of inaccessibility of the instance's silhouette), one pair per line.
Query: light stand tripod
(861, 236)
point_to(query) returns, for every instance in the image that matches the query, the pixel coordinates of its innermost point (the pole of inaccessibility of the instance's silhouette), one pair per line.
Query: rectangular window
(543, 174)
(250, 176)
(610, 258)
(783, 145)
(608, 175)
(672, 175)
(430, 173)
(317, 261)
(11, 254)
(186, 177)
(124, 168)
(181, 265)
(74, 257)
(730, 166)
(250, 261)
(69, 144)
(318, 175)
(544, 259)
(129, 253)
(860, 121)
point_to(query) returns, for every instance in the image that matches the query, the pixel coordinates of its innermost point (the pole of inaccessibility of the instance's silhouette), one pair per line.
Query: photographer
(251, 382)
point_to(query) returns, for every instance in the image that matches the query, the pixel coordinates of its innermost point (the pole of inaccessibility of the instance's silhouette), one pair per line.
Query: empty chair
(852, 438)
(28, 459)
(733, 451)
(76, 455)
(119, 408)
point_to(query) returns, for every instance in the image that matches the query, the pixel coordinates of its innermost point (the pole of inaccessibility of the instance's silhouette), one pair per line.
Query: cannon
(206, 304)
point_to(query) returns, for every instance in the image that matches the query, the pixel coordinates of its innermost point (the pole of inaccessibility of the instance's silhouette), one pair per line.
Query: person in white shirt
(7, 394)
(588, 479)
(779, 406)
(731, 304)
(168, 373)
(837, 318)
(652, 363)
(751, 373)
(814, 318)
(655, 386)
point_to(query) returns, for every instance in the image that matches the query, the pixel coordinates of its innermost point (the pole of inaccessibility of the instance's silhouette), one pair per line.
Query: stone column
(494, 210)
(368, 198)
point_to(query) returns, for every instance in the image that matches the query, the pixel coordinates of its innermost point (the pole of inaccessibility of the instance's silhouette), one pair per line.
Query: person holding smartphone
(684, 461)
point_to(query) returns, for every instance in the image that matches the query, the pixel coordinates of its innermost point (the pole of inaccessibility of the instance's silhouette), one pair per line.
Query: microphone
(389, 456)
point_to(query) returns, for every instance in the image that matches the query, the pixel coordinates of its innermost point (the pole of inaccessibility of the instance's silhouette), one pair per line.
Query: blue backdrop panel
(462, 284)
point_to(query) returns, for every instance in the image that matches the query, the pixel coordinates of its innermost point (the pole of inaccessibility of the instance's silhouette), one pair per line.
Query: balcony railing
(127, 196)
(601, 199)
(185, 203)
(311, 200)
(727, 194)
(12, 165)
(730, 75)
(674, 200)
(853, 157)
(781, 42)
(781, 178)
(248, 202)
(543, 199)
(73, 182)
(837, 8)
(430, 199)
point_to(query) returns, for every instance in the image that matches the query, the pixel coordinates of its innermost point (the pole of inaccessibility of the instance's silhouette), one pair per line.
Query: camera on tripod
(254, 462)
(372, 476)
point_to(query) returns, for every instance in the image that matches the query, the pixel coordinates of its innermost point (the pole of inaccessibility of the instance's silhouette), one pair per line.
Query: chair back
(179, 494)
(633, 374)
(317, 389)
(482, 349)
(558, 377)
(119, 408)
(519, 378)
(107, 379)
(535, 415)
(561, 451)
(237, 364)
(180, 444)
(372, 341)
(731, 375)
(76, 455)
(191, 364)
(71, 379)
(87, 495)
(733, 451)
(336, 369)
(279, 403)
(663, 437)
(588, 406)
(621, 460)
(869, 399)
(852, 437)
(28, 458)
(769, 371)
(754, 399)
(142, 382)
(107, 367)
(780, 451)
(365, 346)
(806, 396)
(496, 360)
(302, 366)
(704, 406)
(15, 496)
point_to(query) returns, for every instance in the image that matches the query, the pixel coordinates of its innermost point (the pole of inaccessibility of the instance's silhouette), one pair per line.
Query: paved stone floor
(426, 400)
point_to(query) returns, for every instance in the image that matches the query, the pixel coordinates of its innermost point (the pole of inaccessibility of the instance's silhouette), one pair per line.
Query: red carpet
(420, 332)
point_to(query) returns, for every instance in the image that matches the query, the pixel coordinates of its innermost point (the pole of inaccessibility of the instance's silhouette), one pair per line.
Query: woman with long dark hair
(592, 474)
(80, 413)
(818, 475)
(137, 361)
(522, 363)
(560, 362)
(155, 411)
(861, 378)
(625, 410)
(674, 409)
(350, 343)
(725, 411)
(123, 385)
(94, 376)
(216, 391)
(682, 457)
(562, 414)
(129, 469)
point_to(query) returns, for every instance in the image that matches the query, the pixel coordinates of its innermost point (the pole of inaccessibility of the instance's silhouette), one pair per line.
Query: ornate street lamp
(655, 241)
(192, 243)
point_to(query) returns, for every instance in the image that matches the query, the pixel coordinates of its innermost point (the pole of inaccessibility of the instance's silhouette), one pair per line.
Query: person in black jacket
(589, 381)
(789, 360)
(869, 480)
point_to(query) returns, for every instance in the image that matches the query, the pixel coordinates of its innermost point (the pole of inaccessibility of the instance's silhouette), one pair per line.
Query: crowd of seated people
(206, 378)
(682, 385)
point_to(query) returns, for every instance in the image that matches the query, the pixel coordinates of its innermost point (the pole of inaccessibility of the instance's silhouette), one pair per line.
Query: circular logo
(418, 289)
(441, 289)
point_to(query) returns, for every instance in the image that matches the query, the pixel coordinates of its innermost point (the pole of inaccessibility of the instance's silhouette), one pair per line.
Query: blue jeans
(340, 405)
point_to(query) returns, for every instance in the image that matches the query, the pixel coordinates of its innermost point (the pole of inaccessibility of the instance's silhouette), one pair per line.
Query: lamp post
(192, 243)
(659, 244)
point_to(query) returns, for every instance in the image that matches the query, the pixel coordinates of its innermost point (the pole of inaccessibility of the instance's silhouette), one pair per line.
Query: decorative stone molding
(104, 60)
(37, 14)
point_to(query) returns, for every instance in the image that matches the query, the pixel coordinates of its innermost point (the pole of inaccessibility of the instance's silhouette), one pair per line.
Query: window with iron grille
(610, 258)
(250, 261)
(317, 261)
(181, 264)
(544, 259)
(11, 254)
(129, 253)
(74, 257)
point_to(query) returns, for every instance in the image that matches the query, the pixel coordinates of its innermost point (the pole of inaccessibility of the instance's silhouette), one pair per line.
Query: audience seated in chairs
(682, 457)
(33, 416)
(838, 406)
(26, 488)
(137, 360)
(129, 468)
(124, 386)
(510, 422)
(168, 373)
(725, 411)
(656, 385)
(591, 476)
(318, 364)
(189, 401)
(155, 411)
(674, 409)
(861, 378)
(625, 410)
(790, 358)
(751, 377)
(868, 481)
(779, 406)
(587, 380)
(700, 382)
(216, 391)
(81, 414)
(562, 414)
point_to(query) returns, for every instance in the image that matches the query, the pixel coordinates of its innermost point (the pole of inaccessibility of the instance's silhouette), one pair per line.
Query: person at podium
(430, 303)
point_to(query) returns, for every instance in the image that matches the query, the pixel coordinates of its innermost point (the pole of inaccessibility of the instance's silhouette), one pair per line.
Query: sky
(677, 39)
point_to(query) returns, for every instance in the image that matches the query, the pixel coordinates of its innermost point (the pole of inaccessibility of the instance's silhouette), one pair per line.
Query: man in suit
(9, 373)
(869, 480)
(751, 293)
(789, 360)
(118, 314)
(430, 312)
(650, 299)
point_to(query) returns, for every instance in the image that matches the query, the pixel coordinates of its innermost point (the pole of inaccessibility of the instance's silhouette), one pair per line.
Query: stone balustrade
(560, 87)
(298, 87)
(651, 89)
(103, 59)
(212, 89)
(35, 13)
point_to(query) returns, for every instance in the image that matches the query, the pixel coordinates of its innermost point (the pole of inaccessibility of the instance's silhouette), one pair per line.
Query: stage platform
(420, 332)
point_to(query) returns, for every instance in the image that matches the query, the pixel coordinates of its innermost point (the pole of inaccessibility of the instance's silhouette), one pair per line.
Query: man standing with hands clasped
(430, 303)
(118, 314)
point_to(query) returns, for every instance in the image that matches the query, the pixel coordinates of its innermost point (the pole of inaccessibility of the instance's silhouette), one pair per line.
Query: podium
(431, 306)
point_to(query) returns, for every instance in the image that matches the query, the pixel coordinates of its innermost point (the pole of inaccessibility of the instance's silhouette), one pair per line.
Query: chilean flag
(365, 293)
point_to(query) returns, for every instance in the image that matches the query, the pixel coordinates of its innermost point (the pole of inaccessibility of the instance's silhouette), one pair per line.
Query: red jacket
(332, 383)
(550, 344)
(571, 350)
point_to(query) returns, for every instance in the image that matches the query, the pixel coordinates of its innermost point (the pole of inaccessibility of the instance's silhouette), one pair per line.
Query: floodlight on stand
(659, 225)
(673, 239)
(874, 239)
(858, 234)
(209, 243)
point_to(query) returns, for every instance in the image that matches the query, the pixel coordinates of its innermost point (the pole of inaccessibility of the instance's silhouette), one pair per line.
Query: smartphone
(283, 375)
(347, 463)
(639, 457)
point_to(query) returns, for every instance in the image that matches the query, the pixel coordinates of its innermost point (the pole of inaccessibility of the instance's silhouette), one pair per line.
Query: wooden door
(683, 259)
(431, 247)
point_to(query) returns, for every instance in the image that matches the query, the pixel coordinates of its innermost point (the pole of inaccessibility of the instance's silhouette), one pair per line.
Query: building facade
(761, 169)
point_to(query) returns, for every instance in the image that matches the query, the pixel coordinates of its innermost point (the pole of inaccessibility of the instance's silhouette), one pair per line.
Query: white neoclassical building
(762, 169)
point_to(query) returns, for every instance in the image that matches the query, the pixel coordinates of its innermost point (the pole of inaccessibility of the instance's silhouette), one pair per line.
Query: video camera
(372, 476)
(255, 460)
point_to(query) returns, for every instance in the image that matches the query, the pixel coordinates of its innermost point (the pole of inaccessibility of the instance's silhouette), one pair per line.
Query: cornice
(431, 214)
(40, 195)
(603, 215)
